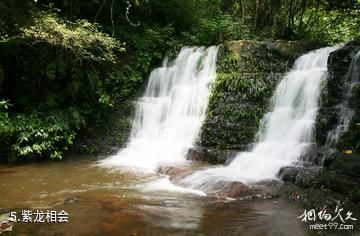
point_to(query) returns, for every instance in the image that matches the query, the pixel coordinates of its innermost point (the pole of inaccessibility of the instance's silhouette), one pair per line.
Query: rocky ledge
(247, 73)
(332, 174)
(329, 172)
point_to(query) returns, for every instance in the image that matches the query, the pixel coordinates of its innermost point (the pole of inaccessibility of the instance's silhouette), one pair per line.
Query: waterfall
(170, 114)
(286, 131)
(345, 112)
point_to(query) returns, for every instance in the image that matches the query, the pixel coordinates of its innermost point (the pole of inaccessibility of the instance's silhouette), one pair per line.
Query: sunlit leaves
(81, 37)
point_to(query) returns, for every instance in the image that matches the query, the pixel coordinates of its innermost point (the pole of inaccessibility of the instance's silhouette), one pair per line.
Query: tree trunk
(99, 10)
(257, 9)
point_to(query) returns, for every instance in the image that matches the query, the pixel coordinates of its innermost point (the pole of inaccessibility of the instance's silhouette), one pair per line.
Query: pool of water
(103, 201)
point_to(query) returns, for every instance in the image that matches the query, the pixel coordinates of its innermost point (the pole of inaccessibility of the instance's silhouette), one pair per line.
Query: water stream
(286, 131)
(103, 202)
(170, 113)
(345, 112)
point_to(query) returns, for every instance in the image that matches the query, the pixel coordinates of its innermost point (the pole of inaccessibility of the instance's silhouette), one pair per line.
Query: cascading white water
(346, 113)
(169, 115)
(287, 129)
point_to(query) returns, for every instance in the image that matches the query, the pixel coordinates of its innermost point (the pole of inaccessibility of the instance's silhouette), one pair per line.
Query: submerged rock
(265, 189)
(5, 224)
(174, 172)
(234, 189)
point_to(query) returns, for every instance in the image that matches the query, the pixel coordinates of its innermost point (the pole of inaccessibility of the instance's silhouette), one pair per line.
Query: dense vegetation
(63, 64)
(247, 73)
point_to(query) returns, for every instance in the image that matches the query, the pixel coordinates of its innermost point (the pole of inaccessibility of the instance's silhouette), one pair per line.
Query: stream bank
(248, 72)
(98, 205)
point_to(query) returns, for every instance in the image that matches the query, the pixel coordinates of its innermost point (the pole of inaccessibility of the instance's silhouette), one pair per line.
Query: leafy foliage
(240, 94)
(14, 14)
(41, 134)
(64, 66)
(81, 37)
(57, 75)
(332, 26)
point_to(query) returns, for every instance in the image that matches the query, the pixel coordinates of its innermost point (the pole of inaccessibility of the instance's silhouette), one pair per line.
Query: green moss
(240, 95)
(110, 134)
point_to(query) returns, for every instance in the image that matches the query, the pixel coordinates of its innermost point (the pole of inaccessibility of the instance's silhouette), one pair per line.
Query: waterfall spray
(170, 113)
(287, 128)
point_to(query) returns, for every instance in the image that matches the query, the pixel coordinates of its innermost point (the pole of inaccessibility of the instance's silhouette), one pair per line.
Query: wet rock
(337, 182)
(341, 175)
(106, 138)
(328, 156)
(316, 155)
(236, 189)
(270, 183)
(332, 98)
(320, 199)
(247, 73)
(300, 176)
(233, 189)
(210, 155)
(355, 195)
(347, 164)
(5, 227)
(239, 190)
(326, 120)
(174, 172)
(74, 199)
(5, 224)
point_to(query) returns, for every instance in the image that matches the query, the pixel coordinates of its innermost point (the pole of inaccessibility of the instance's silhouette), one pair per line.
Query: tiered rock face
(247, 73)
(342, 167)
(333, 96)
(333, 171)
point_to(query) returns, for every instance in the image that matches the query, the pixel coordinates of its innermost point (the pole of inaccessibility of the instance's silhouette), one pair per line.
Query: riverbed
(106, 201)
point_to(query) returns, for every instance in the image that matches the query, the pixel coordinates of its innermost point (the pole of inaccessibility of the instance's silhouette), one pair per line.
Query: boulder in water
(174, 172)
(234, 189)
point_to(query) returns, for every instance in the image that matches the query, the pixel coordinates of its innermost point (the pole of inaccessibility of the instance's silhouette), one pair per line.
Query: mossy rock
(109, 135)
(247, 73)
(332, 99)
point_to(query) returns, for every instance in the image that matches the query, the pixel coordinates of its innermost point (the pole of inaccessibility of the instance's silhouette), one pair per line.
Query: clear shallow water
(113, 202)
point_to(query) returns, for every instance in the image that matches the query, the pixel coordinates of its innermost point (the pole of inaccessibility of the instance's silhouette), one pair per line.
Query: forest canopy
(64, 63)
